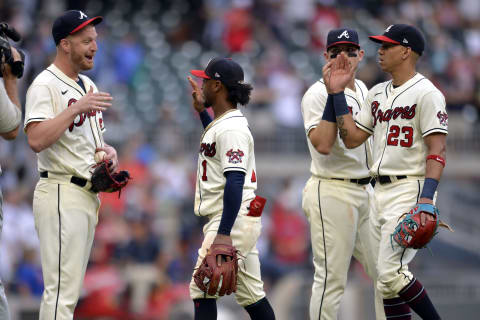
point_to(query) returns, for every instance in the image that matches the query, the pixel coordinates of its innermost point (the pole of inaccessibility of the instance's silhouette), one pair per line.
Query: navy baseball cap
(342, 36)
(71, 22)
(402, 34)
(223, 69)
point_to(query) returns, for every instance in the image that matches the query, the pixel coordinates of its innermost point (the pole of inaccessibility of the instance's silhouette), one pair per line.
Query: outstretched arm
(336, 78)
(42, 134)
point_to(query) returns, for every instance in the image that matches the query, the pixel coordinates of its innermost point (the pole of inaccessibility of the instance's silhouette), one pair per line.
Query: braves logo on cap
(344, 34)
(402, 34)
(82, 15)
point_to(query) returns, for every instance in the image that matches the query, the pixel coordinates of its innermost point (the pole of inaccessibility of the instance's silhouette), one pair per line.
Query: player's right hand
(93, 101)
(197, 95)
(340, 74)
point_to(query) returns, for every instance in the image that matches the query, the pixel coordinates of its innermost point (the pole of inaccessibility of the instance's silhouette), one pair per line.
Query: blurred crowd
(146, 240)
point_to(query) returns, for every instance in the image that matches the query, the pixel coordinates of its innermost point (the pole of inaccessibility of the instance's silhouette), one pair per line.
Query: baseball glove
(105, 181)
(410, 233)
(208, 276)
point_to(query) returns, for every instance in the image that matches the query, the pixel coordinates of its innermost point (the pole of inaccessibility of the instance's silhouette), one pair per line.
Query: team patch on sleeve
(235, 156)
(443, 118)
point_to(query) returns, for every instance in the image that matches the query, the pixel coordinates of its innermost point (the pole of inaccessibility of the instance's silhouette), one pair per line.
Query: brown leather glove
(220, 264)
(105, 181)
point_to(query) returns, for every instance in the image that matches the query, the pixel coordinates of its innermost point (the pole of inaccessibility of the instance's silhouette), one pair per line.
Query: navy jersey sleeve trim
(361, 126)
(310, 128)
(228, 169)
(33, 119)
(441, 130)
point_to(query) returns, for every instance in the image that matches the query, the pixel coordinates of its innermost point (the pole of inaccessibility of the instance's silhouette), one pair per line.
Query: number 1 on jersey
(204, 166)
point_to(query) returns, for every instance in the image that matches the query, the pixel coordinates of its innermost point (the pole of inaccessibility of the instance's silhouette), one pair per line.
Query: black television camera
(6, 51)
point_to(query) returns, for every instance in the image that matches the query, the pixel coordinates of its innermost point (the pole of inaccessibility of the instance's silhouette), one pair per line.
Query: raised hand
(339, 74)
(326, 71)
(197, 95)
(93, 101)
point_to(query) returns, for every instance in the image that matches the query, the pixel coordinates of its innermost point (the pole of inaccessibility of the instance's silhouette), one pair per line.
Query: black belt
(75, 180)
(387, 179)
(361, 181)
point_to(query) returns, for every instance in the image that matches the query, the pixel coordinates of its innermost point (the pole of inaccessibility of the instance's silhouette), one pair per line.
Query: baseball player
(11, 115)
(226, 184)
(408, 120)
(60, 103)
(336, 197)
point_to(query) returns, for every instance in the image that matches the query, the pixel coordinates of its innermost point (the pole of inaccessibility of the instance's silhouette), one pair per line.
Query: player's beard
(81, 62)
(208, 102)
(207, 105)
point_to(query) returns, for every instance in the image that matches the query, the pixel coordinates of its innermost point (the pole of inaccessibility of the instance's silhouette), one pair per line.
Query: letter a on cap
(344, 34)
(82, 15)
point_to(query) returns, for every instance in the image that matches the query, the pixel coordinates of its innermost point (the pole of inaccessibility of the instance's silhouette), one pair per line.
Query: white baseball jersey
(226, 145)
(399, 118)
(50, 93)
(339, 226)
(341, 162)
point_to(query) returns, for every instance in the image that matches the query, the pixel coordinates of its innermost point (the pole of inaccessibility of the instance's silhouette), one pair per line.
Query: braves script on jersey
(226, 145)
(341, 162)
(399, 118)
(51, 93)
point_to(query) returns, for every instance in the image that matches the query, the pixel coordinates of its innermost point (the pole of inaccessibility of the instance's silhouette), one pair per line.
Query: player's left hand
(424, 216)
(111, 154)
(340, 74)
(197, 95)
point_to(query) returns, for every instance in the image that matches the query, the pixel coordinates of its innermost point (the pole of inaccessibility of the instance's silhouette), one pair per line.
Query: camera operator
(10, 118)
